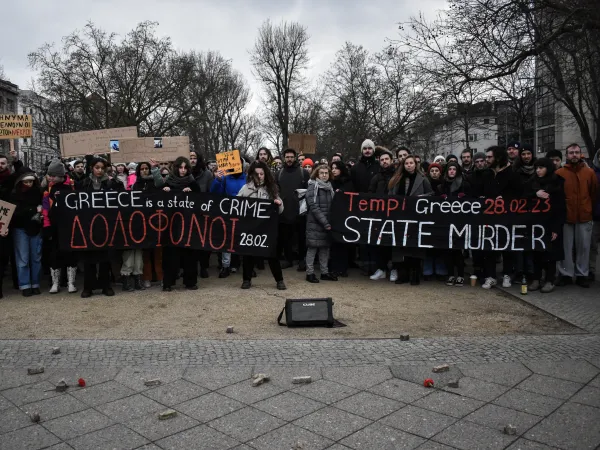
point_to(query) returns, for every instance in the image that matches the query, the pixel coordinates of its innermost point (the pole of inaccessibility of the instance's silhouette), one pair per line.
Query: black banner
(434, 222)
(131, 219)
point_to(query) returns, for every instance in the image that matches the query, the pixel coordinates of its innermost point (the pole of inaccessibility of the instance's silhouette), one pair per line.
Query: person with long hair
(97, 262)
(26, 227)
(180, 179)
(265, 155)
(342, 254)
(454, 185)
(319, 196)
(409, 181)
(261, 184)
(204, 177)
(545, 184)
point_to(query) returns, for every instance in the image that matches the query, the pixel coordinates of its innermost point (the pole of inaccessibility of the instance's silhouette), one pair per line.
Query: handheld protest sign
(14, 126)
(157, 148)
(230, 162)
(303, 143)
(95, 142)
(6, 212)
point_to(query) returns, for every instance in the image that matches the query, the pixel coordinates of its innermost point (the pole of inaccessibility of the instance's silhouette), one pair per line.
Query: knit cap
(56, 168)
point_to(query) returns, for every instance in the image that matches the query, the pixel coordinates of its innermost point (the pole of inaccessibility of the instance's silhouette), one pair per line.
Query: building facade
(42, 147)
(9, 101)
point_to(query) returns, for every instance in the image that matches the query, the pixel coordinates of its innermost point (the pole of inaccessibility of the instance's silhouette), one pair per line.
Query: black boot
(415, 278)
(301, 266)
(312, 278)
(127, 283)
(108, 291)
(203, 273)
(137, 283)
(224, 273)
(328, 277)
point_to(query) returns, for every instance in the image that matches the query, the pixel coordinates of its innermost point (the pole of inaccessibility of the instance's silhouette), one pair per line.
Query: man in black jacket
(499, 181)
(379, 183)
(361, 174)
(366, 167)
(290, 178)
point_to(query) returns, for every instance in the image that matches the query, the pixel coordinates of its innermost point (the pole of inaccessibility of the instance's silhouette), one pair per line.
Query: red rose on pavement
(428, 382)
(81, 382)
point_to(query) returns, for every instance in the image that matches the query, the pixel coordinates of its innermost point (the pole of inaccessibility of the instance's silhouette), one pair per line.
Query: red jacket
(581, 189)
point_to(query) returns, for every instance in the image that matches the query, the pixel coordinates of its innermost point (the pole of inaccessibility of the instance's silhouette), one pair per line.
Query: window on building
(486, 121)
(545, 110)
(10, 105)
(473, 137)
(546, 140)
(487, 135)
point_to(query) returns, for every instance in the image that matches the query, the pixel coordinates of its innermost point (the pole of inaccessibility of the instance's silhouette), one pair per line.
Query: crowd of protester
(303, 189)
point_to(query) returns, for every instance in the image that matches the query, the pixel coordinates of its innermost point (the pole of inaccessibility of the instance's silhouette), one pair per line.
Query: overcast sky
(228, 26)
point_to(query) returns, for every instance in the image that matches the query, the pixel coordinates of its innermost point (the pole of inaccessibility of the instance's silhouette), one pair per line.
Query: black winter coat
(505, 183)
(363, 172)
(289, 179)
(451, 188)
(7, 183)
(342, 184)
(380, 182)
(553, 185)
(27, 203)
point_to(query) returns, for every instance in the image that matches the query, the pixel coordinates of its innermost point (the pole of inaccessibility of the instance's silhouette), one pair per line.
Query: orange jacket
(581, 188)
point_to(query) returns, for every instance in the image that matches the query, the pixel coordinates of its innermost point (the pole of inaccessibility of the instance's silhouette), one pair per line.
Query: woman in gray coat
(318, 199)
(409, 181)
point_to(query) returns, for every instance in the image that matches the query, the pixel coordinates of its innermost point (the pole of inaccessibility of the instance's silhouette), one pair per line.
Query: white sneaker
(379, 275)
(506, 281)
(489, 283)
(147, 284)
(393, 275)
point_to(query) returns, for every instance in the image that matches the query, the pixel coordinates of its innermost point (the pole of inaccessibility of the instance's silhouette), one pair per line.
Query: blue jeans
(28, 256)
(434, 264)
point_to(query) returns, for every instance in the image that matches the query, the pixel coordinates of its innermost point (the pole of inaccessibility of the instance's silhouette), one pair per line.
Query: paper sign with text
(303, 143)
(230, 162)
(14, 126)
(6, 212)
(158, 148)
(94, 142)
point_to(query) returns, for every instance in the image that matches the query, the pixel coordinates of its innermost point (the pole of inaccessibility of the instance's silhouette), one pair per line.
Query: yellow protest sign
(14, 126)
(230, 162)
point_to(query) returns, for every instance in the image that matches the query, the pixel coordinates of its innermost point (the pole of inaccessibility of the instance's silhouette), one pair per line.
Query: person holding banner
(97, 262)
(27, 226)
(58, 181)
(409, 181)
(546, 184)
(454, 185)
(341, 253)
(204, 178)
(180, 179)
(260, 183)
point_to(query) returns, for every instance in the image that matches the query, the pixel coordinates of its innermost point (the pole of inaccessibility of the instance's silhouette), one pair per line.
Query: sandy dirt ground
(370, 309)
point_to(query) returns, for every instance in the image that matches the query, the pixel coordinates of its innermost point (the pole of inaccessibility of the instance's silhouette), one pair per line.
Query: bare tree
(487, 40)
(279, 56)
(108, 84)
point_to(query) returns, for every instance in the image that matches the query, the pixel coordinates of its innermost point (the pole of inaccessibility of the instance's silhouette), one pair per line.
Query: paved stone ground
(575, 305)
(365, 394)
(552, 404)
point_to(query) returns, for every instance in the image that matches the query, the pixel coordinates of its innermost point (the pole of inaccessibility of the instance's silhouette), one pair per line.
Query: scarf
(320, 184)
(97, 182)
(406, 184)
(528, 170)
(180, 182)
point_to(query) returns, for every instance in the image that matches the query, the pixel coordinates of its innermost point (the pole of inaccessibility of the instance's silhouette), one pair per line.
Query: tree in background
(483, 41)
(279, 58)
